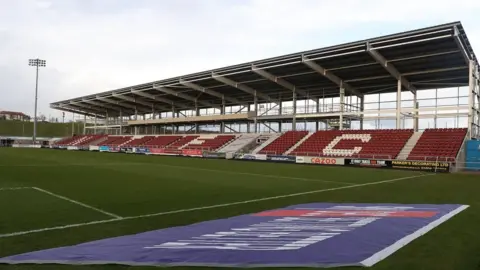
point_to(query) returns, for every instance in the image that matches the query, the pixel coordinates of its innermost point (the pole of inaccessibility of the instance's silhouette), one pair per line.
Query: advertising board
(251, 157)
(214, 155)
(367, 162)
(320, 160)
(279, 158)
(429, 166)
(93, 148)
(104, 149)
(26, 145)
(192, 152)
(142, 150)
(306, 235)
(128, 150)
(72, 148)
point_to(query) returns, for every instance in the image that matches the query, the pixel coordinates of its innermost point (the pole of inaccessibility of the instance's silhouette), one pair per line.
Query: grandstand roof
(433, 57)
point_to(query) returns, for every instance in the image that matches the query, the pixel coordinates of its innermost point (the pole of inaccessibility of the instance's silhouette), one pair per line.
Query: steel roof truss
(184, 96)
(279, 81)
(243, 87)
(329, 75)
(210, 92)
(390, 68)
(115, 108)
(456, 36)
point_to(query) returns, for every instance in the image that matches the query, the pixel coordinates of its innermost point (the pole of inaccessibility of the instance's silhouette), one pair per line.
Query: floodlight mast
(36, 63)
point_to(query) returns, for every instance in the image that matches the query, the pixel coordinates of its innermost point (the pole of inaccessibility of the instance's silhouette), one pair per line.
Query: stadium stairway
(139, 141)
(183, 142)
(299, 143)
(284, 142)
(271, 137)
(163, 141)
(403, 155)
(92, 139)
(239, 144)
(210, 142)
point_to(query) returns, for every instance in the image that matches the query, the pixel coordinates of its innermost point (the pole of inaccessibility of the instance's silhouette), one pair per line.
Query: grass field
(132, 186)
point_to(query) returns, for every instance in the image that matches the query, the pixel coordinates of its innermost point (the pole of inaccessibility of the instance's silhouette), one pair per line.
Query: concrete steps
(298, 143)
(403, 155)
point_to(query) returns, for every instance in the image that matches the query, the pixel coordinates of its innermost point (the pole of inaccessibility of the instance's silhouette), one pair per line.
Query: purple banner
(308, 235)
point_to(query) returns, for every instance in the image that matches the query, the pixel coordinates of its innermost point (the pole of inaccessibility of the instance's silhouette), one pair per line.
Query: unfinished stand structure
(321, 89)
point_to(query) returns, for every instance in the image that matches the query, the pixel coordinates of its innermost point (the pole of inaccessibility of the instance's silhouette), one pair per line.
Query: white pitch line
(209, 207)
(78, 203)
(256, 174)
(14, 188)
(189, 168)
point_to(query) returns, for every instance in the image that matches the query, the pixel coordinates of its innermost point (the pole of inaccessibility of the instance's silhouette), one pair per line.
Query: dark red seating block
(163, 141)
(283, 143)
(438, 144)
(385, 144)
(211, 144)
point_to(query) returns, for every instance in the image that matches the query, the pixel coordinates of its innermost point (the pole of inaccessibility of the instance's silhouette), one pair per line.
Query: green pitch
(85, 196)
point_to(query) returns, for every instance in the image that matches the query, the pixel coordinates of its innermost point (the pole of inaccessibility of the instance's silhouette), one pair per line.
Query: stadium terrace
(323, 89)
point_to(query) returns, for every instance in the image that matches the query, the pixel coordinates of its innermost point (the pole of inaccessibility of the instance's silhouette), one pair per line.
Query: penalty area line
(14, 188)
(78, 203)
(211, 206)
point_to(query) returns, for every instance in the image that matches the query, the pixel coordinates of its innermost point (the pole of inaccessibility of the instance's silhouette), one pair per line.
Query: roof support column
(197, 113)
(280, 109)
(222, 124)
(294, 116)
(362, 108)
(471, 93)
(342, 107)
(121, 122)
(255, 106)
(317, 110)
(399, 103)
(477, 106)
(415, 112)
(84, 124)
(95, 125)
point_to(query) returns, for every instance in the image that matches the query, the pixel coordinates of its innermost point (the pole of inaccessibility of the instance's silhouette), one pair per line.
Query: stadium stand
(140, 141)
(179, 144)
(68, 140)
(385, 144)
(163, 141)
(210, 142)
(117, 140)
(91, 140)
(79, 140)
(438, 144)
(240, 143)
(283, 143)
(432, 144)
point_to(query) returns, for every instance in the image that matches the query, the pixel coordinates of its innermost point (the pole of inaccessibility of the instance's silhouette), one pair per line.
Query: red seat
(284, 142)
(440, 144)
(385, 144)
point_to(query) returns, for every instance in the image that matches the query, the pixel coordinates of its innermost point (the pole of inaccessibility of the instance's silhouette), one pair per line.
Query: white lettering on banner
(287, 233)
(299, 159)
(329, 149)
(321, 160)
(318, 160)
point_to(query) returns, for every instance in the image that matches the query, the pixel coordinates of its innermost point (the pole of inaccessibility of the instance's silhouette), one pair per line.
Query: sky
(93, 46)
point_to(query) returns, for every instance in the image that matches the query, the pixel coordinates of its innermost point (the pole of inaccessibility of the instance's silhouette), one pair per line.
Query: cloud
(94, 46)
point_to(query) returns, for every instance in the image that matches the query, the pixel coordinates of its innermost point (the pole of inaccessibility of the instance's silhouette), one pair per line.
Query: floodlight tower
(36, 63)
